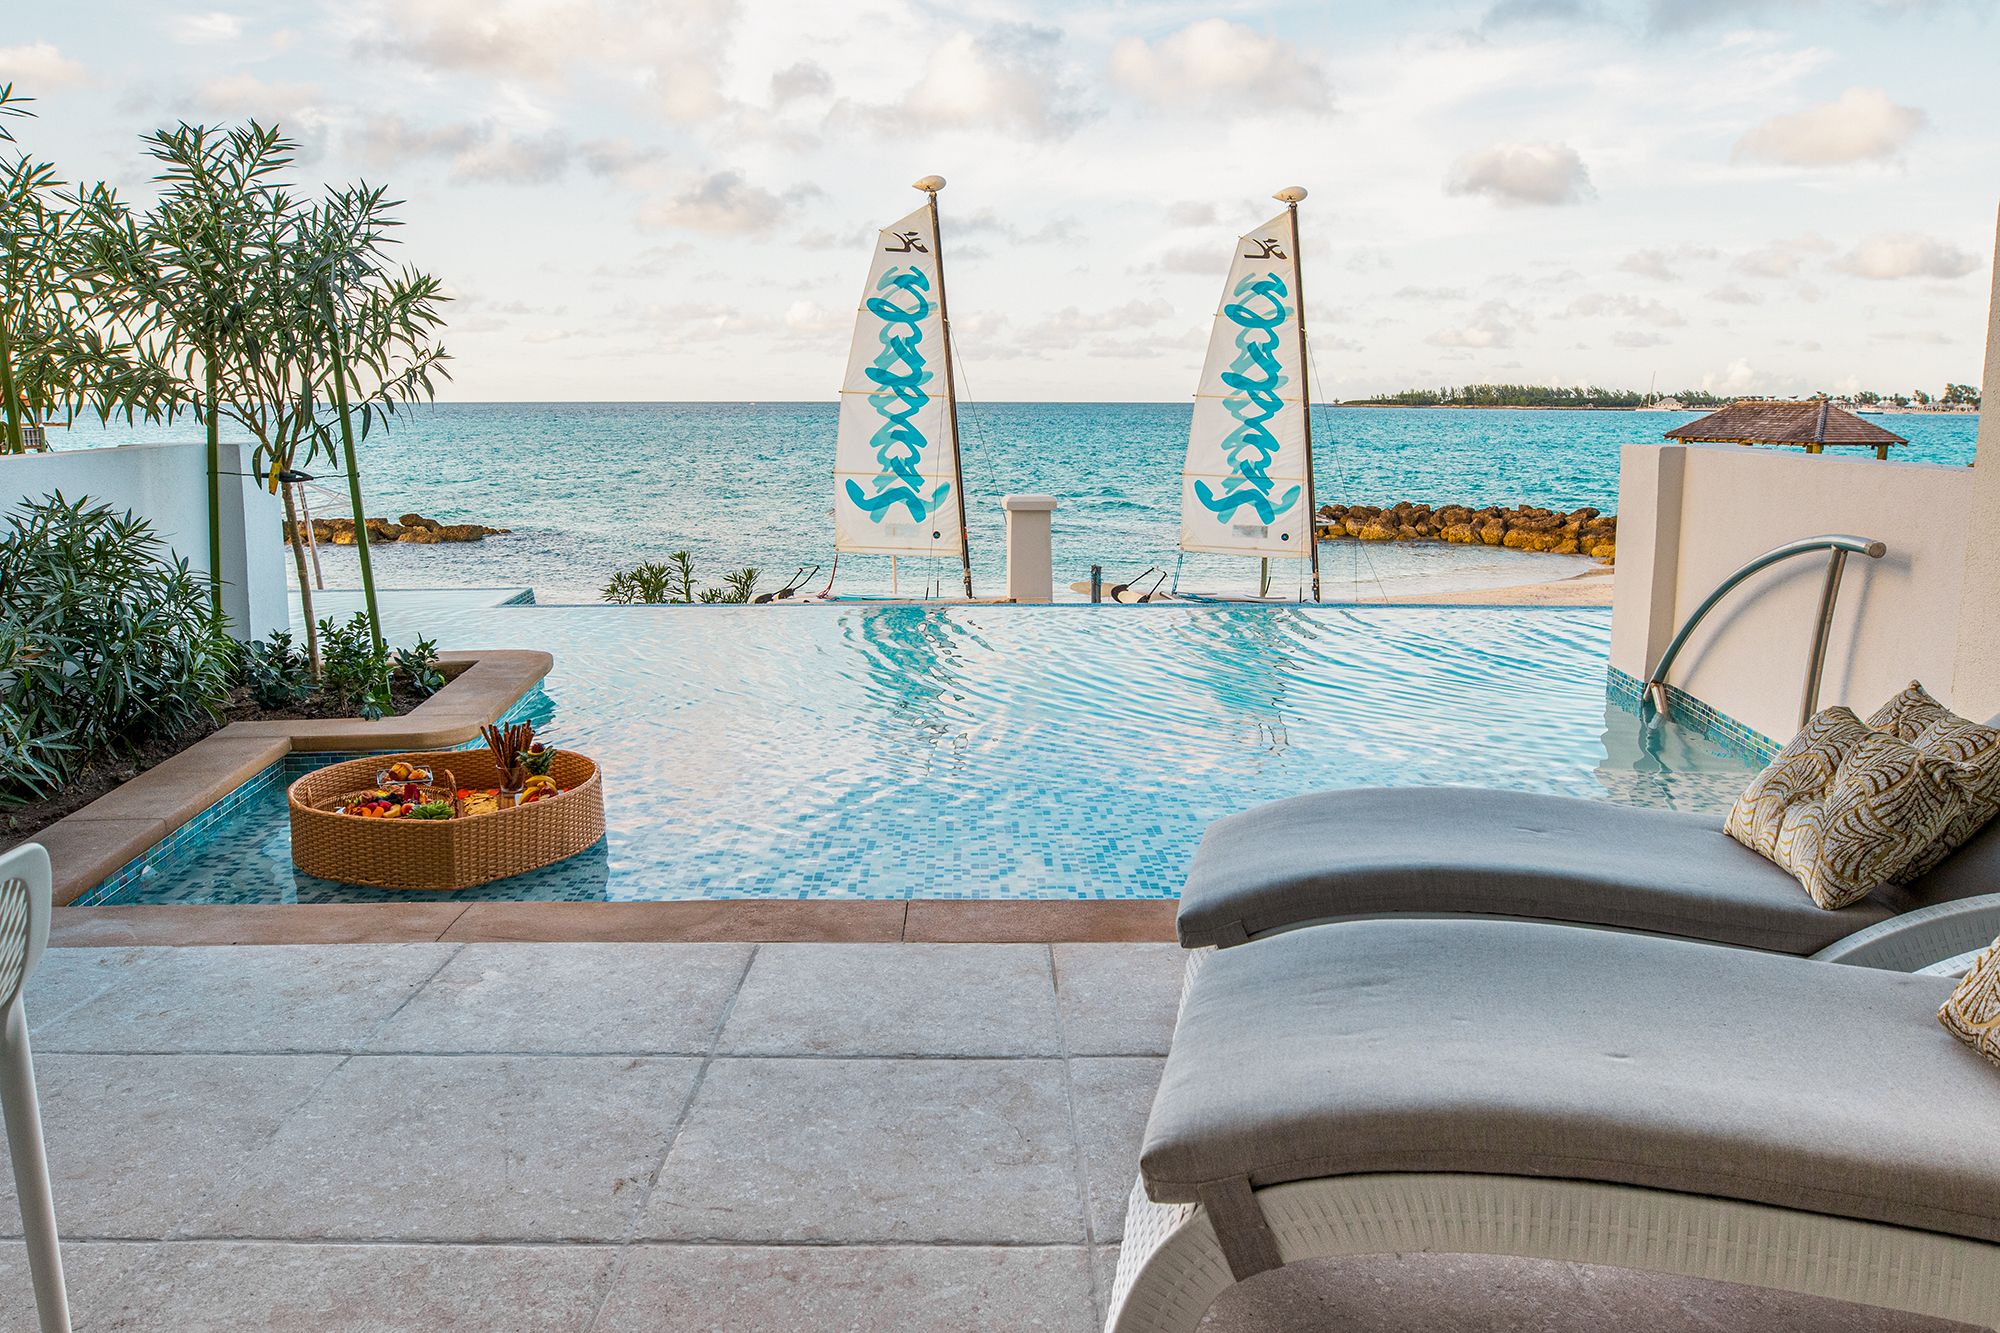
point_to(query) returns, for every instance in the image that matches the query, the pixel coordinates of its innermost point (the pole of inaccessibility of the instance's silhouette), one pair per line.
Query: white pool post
(1030, 559)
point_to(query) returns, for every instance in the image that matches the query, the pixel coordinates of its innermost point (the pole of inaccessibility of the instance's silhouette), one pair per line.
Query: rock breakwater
(414, 529)
(1520, 528)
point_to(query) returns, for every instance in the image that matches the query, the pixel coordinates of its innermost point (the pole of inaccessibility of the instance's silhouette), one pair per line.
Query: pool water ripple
(1010, 752)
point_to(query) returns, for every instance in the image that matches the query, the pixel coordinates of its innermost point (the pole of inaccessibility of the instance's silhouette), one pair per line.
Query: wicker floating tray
(441, 854)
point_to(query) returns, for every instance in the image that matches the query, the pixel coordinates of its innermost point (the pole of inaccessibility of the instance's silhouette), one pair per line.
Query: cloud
(1642, 309)
(1886, 256)
(1192, 213)
(204, 29)
(806, 79)
(1732, 294)
(1781, 259)
(1525, 174)
(1664, 264)
(1070, 327)
(1009, 79)
(1208, 260)
(724, 202)
(986, 222)
(1862, 125)
(39, 66)
(1513, 13)
(1213, 60)
(1677, 16)
(674, 52)
(1638, 338)
(479, 151)
(1494, 324)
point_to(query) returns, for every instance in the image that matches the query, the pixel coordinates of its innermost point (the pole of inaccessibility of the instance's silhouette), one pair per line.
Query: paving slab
(872, 1150)
(265, 998)
(68, 978)
(466, 1148)
(850, 1289)
(1113, 1098)
(229, 1287)
(896, 999)
(1119, 999)
(135, 1141)
(643, 999)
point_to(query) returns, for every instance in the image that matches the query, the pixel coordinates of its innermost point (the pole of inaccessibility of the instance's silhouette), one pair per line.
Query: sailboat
(1247, 486)
(897, 485)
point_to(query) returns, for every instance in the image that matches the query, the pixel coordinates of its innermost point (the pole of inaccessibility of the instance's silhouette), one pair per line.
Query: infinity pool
(997, 752)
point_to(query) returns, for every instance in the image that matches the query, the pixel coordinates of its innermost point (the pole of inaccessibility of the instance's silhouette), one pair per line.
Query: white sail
(1243, 489)
(895, 464)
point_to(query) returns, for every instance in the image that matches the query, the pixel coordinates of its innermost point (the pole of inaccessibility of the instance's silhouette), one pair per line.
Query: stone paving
(620, 1137)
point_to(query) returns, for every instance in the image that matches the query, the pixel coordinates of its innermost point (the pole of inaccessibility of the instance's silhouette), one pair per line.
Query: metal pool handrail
(1841, 546)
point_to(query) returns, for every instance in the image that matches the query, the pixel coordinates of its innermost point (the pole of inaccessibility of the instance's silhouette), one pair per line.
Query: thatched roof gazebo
(1812, 425)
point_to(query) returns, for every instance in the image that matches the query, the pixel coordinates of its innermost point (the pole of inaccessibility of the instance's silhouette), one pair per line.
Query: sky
(677, 201)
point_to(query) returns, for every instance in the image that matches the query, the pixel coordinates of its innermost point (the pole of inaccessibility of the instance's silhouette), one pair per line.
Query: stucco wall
(167, 484)
(1897, 619)
(1979, 612)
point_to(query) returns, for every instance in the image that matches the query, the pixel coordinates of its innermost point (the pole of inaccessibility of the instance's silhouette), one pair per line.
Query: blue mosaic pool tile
(264, 797)
(1697, 716)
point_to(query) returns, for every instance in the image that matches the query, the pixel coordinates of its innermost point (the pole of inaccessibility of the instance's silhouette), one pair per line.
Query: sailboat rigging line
(930, 186)
(1291, 203)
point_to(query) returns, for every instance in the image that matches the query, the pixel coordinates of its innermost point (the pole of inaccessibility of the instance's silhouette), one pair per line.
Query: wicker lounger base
(1171, 1268)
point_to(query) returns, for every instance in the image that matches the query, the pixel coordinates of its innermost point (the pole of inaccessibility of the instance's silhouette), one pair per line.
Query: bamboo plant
(374, 329)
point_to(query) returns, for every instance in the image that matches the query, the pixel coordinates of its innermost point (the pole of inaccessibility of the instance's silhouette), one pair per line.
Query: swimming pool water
(906, 751)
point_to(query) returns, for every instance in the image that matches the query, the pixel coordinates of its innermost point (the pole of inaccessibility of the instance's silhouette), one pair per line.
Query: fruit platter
(447, 820)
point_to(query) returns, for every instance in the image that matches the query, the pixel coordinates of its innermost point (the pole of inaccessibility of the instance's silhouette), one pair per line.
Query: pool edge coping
(734, 921)
(91, 845)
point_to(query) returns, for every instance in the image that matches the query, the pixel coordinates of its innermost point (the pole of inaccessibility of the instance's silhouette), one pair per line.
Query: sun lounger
(1516, 1088)
(1461, 852)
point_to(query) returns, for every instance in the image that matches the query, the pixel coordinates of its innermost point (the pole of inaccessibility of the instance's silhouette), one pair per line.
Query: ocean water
(588, 488)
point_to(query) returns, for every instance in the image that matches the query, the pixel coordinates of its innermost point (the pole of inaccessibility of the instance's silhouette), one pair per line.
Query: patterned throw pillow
(1927, 724)
(1972, 1014)
(1847, 809)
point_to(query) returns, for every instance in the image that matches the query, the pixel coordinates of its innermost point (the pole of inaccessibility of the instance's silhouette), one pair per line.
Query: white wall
(167, 484)
(1897, 618)
(1979, 614)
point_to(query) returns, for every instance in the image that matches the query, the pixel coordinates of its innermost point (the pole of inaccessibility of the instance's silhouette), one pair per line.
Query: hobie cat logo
(1253, 380)
(899, 375)
(1265, 249)
(906, 242)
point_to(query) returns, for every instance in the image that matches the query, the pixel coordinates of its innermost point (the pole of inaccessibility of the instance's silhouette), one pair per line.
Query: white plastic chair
(25, 885)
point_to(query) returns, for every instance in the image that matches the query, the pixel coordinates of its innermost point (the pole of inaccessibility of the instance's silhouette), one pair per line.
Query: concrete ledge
(97, 841)
(734, 921)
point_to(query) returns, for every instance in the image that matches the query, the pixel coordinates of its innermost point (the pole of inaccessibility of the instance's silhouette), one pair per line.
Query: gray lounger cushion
(1522, 1049)
(1466, 851)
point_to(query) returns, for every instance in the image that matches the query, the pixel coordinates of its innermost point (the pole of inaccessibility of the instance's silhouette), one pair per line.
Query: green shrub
(673, 582)
(275, 672)
(353, 668)
(418, 664)
(105, 642)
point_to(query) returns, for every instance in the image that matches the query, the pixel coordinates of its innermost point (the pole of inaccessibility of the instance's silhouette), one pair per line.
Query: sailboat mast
(930, 185)
(1290, 197)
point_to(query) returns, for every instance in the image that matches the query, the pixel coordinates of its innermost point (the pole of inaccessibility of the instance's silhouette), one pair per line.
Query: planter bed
(95, 842)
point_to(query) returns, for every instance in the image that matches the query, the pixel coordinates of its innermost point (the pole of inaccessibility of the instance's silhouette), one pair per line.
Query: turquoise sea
(587, 488)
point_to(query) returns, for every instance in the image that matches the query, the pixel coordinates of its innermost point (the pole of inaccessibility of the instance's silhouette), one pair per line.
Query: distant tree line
(1536, 395)
(1954, 395)
(1543, 395)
